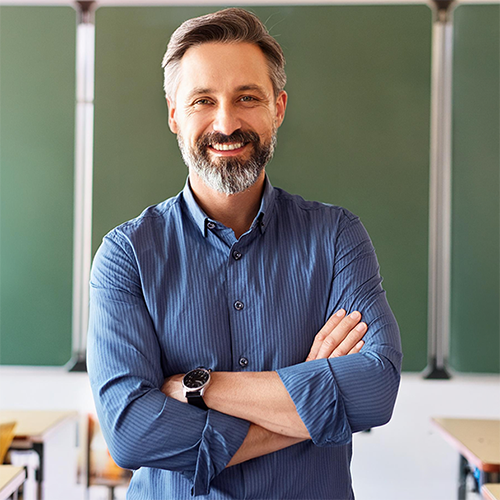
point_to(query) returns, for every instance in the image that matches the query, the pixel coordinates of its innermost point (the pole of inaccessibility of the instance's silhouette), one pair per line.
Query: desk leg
(488, 477)
(38, 447)
(464, 470)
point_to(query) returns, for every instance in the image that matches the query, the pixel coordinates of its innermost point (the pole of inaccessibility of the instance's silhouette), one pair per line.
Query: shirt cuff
(221, 438)
(318, 401)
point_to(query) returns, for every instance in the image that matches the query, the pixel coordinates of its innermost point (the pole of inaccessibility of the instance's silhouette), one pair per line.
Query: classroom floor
(408, 459)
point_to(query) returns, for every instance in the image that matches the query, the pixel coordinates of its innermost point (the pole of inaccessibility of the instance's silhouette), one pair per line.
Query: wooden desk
(11, 479)
(491, 491)
(478, 442)
(52, 435)
(35, 425)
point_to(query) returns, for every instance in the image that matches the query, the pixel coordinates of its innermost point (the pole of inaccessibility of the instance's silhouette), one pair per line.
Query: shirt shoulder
(313, 211)
(151, 219)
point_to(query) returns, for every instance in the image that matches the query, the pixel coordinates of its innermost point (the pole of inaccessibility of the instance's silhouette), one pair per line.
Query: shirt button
(243, 362)
(238, 305)
(210, 225)
(237, 255)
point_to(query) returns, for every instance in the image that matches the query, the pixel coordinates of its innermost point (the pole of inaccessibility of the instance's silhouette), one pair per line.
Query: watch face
(196, 378)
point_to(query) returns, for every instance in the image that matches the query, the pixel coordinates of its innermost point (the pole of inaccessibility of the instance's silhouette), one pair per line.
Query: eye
(202, 101)
(247, 98)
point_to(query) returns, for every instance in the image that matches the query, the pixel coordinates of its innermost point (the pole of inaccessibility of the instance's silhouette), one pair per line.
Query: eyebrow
(257, 88)
(242, 88)
(198, 91)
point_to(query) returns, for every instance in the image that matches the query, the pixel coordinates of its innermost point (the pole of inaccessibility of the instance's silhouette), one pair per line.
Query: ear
(171, 116)
(281, 102)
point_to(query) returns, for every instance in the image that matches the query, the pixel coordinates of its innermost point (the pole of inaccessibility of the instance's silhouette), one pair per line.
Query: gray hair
(226, 26)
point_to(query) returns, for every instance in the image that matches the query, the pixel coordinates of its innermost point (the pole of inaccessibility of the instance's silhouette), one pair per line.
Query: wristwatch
(194, 384)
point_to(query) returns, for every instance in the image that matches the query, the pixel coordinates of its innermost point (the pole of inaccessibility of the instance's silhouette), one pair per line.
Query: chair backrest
(6, 436)
(101, 468)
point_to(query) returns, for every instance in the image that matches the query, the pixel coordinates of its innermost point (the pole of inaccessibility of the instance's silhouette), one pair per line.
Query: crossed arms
(261, 397)
(324, 399)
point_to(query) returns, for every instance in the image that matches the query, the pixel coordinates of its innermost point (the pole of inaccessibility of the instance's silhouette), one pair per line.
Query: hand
(259, 441)
(341, 335)
(172, 387)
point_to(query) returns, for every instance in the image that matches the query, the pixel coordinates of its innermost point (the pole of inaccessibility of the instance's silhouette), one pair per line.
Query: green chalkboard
(37, 102)
(356, 132)
(475, 324)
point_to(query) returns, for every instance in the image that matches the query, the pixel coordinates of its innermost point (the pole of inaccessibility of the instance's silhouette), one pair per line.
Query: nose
(226, 119)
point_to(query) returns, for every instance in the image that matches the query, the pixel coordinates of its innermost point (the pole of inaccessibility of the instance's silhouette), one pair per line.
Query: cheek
(262, 125)
(199, 127)
(263, 121)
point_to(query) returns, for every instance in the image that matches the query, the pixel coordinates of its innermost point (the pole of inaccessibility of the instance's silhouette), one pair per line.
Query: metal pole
(84, 144)
(440, 193)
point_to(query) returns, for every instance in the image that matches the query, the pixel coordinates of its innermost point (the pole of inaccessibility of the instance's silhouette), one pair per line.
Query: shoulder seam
(148, 215)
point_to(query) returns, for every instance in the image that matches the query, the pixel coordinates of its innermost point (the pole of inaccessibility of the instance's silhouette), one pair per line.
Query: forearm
(336, 397)
(259, 397)
(259, 442)
(332, 397)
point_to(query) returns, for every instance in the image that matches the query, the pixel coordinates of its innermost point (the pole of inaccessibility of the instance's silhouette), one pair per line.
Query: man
(226, 351)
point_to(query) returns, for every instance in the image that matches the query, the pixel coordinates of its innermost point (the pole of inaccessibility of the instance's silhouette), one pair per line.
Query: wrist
(194, 385)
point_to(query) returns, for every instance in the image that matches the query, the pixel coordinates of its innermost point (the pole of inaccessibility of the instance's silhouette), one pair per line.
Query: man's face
(225, 114)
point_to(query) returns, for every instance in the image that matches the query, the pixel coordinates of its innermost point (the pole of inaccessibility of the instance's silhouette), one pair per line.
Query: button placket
(237, 270)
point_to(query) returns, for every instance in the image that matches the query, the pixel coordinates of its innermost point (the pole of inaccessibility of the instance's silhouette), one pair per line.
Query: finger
(357, 347)
(351, 341)
(328, 327)
(337, 336)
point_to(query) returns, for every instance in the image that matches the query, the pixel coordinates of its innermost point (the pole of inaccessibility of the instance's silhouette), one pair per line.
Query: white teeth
(227, 147)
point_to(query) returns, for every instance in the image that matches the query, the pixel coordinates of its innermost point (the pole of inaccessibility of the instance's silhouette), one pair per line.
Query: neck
(236, 211)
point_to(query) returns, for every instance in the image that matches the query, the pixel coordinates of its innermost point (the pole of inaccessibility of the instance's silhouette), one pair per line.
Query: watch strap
(195, 399)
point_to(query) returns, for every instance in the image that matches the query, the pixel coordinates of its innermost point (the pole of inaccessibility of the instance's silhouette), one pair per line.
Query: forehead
(223, 66)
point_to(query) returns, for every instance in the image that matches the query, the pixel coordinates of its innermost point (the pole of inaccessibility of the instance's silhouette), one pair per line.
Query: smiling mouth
(227, 147)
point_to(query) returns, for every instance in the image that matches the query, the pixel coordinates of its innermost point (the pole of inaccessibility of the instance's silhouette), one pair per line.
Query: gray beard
(227, 175)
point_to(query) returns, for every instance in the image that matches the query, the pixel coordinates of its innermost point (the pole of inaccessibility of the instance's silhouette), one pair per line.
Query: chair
(103, 471)
(6, 436)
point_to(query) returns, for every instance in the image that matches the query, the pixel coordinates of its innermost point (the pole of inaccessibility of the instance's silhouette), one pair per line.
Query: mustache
(236, 136)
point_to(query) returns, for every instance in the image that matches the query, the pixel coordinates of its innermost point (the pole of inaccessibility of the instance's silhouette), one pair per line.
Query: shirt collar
(202, 220)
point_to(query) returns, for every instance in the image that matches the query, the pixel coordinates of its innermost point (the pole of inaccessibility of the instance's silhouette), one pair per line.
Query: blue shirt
(173, 290)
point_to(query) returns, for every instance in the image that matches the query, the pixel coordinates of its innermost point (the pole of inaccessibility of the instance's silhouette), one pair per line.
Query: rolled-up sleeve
(143, 427)
(338, 396)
